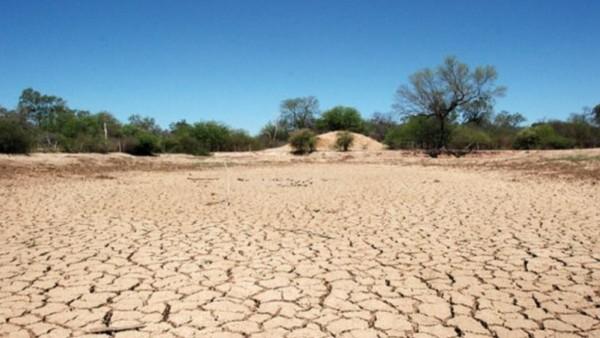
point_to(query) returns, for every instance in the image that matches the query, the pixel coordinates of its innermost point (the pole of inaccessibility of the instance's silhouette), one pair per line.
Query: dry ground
(351, 245)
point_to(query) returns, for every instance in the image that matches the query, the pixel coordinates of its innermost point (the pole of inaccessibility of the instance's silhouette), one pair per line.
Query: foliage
(450, 89)
(341, 118)
(299, 113)
(378, 126)
(344, 140)
(14, 138)
(273, 135)
(240, 140)
(417, 131)
(303, 141)
(463, 97)
(180, 140)
(577, 128)
(142, 143)
(466, 136)
(541, 136)
(38, 109)
(596, 115)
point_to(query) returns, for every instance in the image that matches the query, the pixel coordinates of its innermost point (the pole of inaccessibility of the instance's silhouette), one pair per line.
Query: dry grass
(564, 164)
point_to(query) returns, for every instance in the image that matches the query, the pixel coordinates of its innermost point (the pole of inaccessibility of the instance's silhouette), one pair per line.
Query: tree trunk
(441, 142)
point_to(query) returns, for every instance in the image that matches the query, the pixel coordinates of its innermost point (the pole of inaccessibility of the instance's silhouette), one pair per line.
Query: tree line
(447, 107)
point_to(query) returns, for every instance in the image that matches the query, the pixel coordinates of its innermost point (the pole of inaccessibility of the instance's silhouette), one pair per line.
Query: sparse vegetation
(443, 110)
(344, 140)
(303, 141)
(14, 138)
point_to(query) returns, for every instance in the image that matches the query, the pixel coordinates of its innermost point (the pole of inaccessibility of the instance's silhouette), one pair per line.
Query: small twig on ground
(113, 329)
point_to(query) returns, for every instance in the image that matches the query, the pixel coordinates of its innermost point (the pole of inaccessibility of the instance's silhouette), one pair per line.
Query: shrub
(465, 136)
(416, 132)
(239, 140)
(142, 144)
(185, 144)
(344, 140)
(541, 136)
(303, 141)
(526, 139)
(14, 138)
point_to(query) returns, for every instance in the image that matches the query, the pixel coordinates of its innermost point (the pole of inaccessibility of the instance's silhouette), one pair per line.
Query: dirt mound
(326, 142)
(361, 142)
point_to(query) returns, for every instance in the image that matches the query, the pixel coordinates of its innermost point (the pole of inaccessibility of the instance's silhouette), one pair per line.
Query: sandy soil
(326, 142)
(332, 245)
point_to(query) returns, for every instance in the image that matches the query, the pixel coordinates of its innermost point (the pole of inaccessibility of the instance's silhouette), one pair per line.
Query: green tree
(418, 131)
(180, 140)
(508, 120)
(596, 115)
(144, 123)
(212, 135)
(450, 89)
(39, 109)
(341, 118)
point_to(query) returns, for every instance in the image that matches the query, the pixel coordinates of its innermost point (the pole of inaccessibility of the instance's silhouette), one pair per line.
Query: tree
(213, 135)
(419, 131)
(299, 113)
(478, 112)
(144, 123)
(341, 118)
(273, 134)
(508, 120)
(39, 109)
(379, 124)
(447, 91)
(596, 114)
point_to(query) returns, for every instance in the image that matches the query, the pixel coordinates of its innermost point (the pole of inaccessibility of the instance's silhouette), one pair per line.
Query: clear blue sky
(234, 61)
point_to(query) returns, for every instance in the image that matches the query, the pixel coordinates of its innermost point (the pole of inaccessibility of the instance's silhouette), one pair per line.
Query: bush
(416, 132)
(14, 138)
(185, 144)
(344, 140)
(303, 141)
(142, 144)
(541, 136)
(469, 137)
(239, 140)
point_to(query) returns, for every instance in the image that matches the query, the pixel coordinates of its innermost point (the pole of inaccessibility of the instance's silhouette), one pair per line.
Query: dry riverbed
(349, 245)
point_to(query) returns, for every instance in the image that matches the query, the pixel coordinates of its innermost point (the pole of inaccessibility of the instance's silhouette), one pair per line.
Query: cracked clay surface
(306, 250)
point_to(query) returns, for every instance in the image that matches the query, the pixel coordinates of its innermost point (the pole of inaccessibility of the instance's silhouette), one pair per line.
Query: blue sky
(234, 61)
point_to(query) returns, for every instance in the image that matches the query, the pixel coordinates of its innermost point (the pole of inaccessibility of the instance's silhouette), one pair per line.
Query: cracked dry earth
(308, 250)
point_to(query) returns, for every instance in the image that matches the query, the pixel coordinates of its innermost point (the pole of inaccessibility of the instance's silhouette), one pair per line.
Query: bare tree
(299, 113)
(452, 88)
